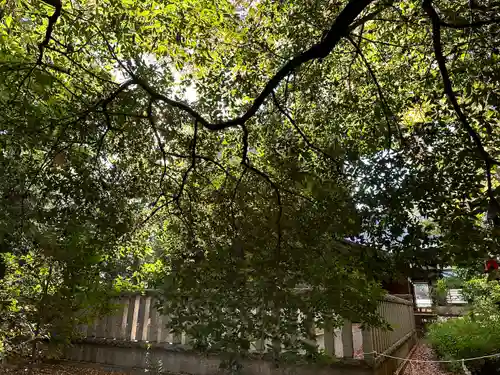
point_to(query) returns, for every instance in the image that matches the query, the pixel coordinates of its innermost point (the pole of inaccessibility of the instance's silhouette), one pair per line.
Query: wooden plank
(108, 331)
(135, 314)
(387, 334)
(406, 321)
(391, 321)
(401, 321)
(82, 329)
(368, 354)
(347, 340)
(186, 339)
(100, 327)
(160, 328)
(116, 320)
(141, 324)
(391, 314)
(259, 345)
(92, 329)
(310, 330)
(167, 335)
(329, 339)
(379, 334)
(376, 335)
(153, 326)
(122, 335)
(177, 338)
(147, 319)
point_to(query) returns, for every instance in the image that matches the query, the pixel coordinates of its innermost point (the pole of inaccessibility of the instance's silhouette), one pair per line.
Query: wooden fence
(399, 314)
(137, 320)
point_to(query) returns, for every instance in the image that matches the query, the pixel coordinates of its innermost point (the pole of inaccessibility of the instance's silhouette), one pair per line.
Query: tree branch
(57, 4)
(448, 89)
(469, 25)
(278, 201)
(192, 165)
(104, 104)
(385, 106)
(206, 158)
(299, 130)
(318, 51)
(369, 17)
(233, 198)
(160, 144)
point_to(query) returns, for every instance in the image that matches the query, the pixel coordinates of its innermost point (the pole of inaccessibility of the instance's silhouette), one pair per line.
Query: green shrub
(465, 337)
(475, 335)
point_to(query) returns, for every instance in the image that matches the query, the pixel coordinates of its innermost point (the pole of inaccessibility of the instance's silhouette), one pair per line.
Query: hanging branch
(233, 198)
(246, 163)
(278, 202)
(152, 122)
(340, 28)
(193, 161)
(44, 43)
(342, 25)
(385, 106)
(448, 89)
(182, 185)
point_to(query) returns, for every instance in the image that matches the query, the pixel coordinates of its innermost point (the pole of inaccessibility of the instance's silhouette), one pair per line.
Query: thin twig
(385, 106)
(470, 24)
(299, 130)
(152, 122)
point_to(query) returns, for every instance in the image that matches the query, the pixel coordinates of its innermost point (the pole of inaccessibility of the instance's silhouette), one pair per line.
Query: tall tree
(253, 138)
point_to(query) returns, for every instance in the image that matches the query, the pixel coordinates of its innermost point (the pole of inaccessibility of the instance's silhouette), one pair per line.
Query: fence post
(276, 343)
(310, 330)
(140, 323)
(368, 354)
(146, 319)
(177, 338)
(329, 338)
(91, 332)
(347, 340)
(108, 331)
(153, 328)
(260, 344)
(122, 329)
(133, 320)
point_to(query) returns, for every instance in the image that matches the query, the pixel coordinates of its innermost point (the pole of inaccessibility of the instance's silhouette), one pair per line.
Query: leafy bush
(465, 337)
(475, 335)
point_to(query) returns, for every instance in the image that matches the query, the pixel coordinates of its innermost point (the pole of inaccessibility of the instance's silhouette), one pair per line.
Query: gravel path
(424, 353)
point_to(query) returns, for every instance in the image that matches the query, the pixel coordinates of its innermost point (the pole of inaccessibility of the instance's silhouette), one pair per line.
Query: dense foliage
(228, 149)
(475, 335)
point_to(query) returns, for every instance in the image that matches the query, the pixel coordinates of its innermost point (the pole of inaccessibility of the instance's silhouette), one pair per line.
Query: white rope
(465, 369)
(424, 361)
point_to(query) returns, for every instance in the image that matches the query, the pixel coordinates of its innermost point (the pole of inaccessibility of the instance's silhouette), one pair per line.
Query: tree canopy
(234, 151)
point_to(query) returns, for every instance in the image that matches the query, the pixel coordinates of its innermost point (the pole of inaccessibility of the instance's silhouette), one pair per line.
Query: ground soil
(424, 353)
(57, 370)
